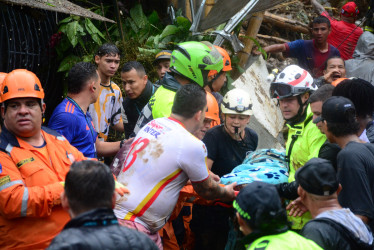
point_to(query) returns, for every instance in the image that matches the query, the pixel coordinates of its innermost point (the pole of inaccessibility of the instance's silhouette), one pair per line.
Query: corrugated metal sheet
(62, 6)
(223, 10)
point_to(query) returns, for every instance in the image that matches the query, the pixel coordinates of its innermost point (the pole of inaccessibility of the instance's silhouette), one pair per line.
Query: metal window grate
(24, 38)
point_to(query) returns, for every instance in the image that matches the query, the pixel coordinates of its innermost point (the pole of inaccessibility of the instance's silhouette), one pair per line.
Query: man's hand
(214, 177)
(121, 189)
(297, 208)
(256, 52)
(211, 190)
(231, 193)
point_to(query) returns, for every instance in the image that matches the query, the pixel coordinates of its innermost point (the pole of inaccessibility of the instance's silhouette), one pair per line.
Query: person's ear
(44, 106)
(97, 59)
(113, 200)
(64, 201)
(2, 110)
(339, 189)
(91, 86)
(300, 192)
(197, 115)
(145, 79)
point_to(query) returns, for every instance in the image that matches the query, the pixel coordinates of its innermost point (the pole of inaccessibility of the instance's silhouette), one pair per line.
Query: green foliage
(80, 37)
(258, 46)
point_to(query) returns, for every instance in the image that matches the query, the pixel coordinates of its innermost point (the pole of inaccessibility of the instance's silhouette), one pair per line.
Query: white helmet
(236, 101)
(292, 81)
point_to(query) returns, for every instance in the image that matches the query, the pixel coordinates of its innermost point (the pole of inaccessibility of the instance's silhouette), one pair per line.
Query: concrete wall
(267, 119)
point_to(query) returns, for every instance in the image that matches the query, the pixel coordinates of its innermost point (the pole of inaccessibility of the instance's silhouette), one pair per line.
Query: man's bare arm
(107, 148)
(211, 190)
(272, 49)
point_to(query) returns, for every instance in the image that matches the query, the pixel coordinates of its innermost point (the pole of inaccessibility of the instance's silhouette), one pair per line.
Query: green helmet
(194, 60)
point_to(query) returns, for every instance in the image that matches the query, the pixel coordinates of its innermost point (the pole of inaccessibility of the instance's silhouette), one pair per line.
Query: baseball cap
(350, 9)
(258, 199)
(163, 54)
(337, 109)
(317, 177)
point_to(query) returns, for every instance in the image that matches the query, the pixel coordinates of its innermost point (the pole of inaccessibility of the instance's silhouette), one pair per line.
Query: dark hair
(322, 93)
(188, 100)
(89, 185)
(360, 92)
(321, 19)
(333, 57)
(108, 49)
(343, 129)
(133, 65)
(79, 75)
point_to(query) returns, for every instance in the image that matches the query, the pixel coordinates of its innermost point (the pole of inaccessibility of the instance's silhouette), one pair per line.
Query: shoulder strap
(353, 241)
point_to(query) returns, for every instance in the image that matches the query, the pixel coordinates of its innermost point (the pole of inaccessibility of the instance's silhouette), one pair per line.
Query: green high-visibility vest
(287, 240)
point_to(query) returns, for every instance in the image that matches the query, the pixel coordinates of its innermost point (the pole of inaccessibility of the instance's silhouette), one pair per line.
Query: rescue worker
(263, 220)
(191, 63)
(34, 162)
(211, 116)
(293, 87)
(217, 80)
(227, 145)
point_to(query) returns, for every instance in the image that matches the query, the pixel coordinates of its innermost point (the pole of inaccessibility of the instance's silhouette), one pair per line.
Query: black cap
(256, 199)
(318, 177)
(163, 54)
(337, 109)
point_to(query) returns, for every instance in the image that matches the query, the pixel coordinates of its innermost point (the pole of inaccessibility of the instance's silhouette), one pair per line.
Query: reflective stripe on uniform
(61, 138)
(8, 148)
(25, 199)
(9, 184)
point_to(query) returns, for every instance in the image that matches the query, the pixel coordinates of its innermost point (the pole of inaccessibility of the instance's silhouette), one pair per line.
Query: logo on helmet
(191, 70)
(239, 100)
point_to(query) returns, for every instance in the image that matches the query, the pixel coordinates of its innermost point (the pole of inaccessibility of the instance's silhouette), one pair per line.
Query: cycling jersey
(163, 156)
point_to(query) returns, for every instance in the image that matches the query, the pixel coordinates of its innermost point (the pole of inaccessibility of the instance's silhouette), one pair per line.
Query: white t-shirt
(163, 156)
(106, 111)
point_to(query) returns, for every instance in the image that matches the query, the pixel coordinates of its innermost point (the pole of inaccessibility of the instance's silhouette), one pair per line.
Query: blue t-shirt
(309, 57)
(69, 120)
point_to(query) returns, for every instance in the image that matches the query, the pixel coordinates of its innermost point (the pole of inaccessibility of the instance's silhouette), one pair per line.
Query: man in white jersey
(162, 158)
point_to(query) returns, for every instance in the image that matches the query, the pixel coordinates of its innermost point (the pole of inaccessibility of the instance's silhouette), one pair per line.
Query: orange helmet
(337, 81)
(226, 61)
(213, 110)
(2, 77)
(21, 83)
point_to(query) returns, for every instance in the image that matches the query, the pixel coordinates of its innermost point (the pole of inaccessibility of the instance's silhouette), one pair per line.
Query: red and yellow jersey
(106, 111)
(162, 158)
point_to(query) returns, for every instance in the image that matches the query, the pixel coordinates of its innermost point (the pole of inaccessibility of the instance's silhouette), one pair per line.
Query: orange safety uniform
(31, 214)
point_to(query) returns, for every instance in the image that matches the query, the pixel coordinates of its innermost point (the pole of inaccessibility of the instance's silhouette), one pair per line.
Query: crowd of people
(163, 190)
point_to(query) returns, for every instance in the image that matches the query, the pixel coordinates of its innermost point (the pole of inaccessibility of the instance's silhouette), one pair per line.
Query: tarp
(62, 6)
(223, 10)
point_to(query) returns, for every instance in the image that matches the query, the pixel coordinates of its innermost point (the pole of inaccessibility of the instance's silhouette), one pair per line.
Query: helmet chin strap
(300, 116)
